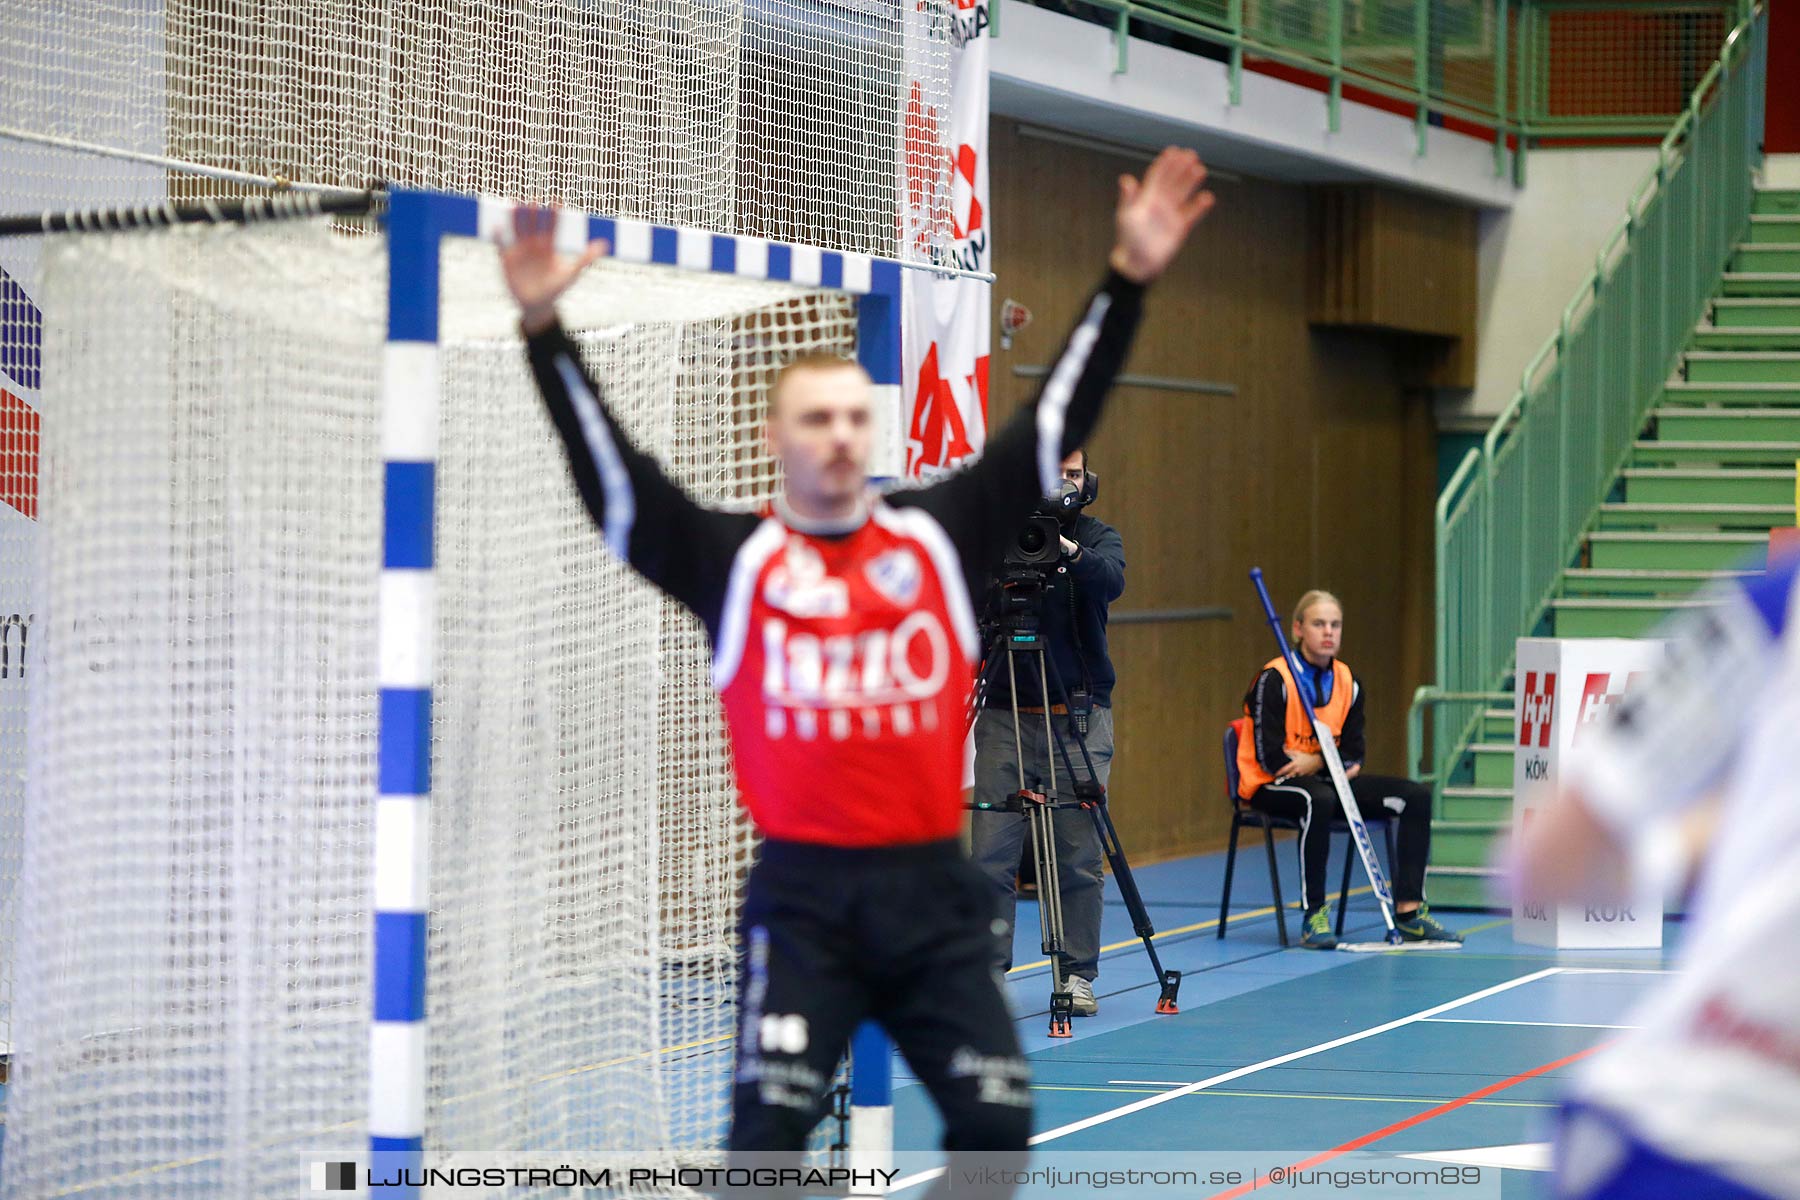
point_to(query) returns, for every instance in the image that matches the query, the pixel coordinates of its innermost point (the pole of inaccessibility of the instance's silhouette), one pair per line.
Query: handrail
(1429, 697)
(1464, 469)
(1402, 67)
(1458, 487)
(1514, 513)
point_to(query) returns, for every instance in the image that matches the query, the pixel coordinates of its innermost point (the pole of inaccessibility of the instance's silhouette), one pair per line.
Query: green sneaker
(1316, 933)
(1421, 926)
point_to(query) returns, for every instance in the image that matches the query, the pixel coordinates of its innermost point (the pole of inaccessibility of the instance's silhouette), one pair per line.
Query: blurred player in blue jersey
(1703, 1098)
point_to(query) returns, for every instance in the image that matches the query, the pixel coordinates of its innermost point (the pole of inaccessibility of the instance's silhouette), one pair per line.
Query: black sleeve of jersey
(1100, 567)
(1351, 747)
(984, 505)
(1268, 709)
(647, 520)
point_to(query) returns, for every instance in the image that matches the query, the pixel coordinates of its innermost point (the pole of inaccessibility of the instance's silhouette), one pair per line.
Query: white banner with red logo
(1562, 689)
(945, 326)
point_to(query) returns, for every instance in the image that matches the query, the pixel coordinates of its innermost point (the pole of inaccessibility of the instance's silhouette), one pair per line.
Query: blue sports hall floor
(1416, 1059)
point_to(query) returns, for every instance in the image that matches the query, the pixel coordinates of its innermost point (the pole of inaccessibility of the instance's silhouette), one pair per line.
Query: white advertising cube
(1563, 688)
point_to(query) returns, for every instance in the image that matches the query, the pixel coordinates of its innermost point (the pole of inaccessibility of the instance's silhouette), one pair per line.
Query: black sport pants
(1312, 801)
(903, 935)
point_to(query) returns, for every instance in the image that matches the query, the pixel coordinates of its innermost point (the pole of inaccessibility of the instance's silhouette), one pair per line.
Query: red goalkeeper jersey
(844, 652)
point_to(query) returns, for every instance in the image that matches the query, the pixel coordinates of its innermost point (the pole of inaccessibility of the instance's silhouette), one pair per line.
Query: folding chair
(1242, 814)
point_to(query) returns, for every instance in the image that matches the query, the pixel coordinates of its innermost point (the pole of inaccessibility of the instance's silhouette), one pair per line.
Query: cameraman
(1087, 578)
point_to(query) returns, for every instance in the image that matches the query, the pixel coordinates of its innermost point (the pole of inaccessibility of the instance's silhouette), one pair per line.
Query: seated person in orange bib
(1281, 772)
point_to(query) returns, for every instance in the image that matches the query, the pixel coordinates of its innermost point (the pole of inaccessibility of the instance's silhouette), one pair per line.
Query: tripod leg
(1061, 747)
(1062, 1001)
(1049, 920)
(1108, 833)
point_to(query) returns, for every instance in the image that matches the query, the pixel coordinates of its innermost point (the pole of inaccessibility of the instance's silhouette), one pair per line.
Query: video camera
(1039, 543)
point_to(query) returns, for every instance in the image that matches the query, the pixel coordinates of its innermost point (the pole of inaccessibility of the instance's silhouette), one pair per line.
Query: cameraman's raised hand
(1155, 216)
(1070, 549)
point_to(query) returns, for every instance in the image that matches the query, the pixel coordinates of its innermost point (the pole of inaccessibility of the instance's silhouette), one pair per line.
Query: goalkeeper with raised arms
(844, 645)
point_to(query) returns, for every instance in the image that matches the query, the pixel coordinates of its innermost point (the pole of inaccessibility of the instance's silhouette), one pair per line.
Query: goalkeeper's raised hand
(535, 272)
(1155, 216)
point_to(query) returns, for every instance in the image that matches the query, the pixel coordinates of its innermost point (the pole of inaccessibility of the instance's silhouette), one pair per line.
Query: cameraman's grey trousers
(996, 839)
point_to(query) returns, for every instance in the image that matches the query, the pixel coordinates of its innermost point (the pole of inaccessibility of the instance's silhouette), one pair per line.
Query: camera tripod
(1016, 639)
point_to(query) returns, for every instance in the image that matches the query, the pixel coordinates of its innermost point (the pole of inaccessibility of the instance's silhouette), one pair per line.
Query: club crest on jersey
(799, 585)
(896, 575)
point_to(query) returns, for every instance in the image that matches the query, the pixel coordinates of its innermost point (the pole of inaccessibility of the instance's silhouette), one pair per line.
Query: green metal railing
(1513, 516)
(1490, 63)
(1451, 713)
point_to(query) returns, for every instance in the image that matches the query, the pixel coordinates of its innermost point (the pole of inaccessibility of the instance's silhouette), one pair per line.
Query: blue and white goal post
(418, 222)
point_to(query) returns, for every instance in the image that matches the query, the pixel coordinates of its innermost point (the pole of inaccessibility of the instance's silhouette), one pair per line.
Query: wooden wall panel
(1320, 470)
(1407, 264)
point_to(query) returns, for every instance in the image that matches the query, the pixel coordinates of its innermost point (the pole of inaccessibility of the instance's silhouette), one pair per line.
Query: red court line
(1409, 1122)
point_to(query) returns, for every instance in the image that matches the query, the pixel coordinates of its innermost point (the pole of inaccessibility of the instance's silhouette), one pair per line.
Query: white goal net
(777, 118)
(810, 121)
(193, 968)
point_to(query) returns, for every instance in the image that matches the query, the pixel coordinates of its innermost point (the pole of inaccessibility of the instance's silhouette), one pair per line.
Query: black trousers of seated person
(1312, 801)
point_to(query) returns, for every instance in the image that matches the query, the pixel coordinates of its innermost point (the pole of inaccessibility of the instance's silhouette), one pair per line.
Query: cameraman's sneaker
(1316, 933)
(1421, 926)
(1081, 995)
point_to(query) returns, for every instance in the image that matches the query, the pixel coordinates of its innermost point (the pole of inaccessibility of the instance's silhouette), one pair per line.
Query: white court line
(1548, 1024)
(1616, 971)
(1189, 1089)
(1526, 1156)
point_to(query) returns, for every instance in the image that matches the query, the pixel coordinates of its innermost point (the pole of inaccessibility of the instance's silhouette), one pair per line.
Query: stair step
(1497, 724)
(1756, 395)
(1774, 228)
(1751, 337)
(1687, 550)
(1743, 366)
(1624, 582)
(1493, 764)
(1463, 887)
(1701, 485)
(1464, 843)
(1674, 451)
(1760, 257)
(1677, 423)
(1760, 283)
(1596, 617)
(1699, 516)
(1477, 808)
(1776, 201)
(1751, 312)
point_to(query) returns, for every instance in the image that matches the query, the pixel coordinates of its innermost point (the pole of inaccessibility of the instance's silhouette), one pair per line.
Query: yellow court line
(1268, 911)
